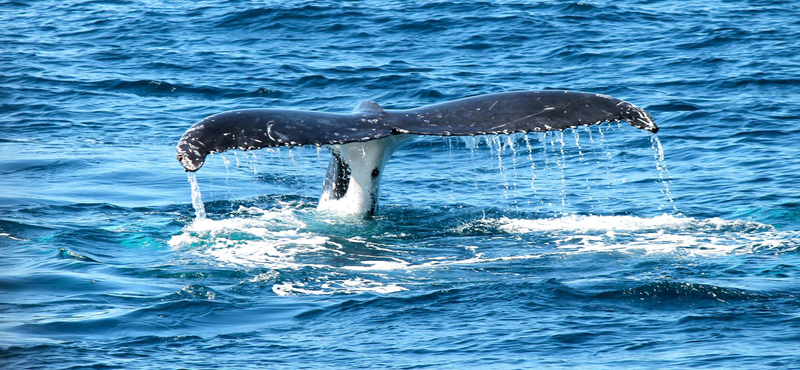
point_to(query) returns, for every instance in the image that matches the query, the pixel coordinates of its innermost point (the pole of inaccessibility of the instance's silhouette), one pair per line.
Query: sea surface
(595, 248)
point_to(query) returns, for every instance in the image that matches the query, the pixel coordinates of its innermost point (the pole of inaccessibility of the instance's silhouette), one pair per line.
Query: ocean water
(602, 247)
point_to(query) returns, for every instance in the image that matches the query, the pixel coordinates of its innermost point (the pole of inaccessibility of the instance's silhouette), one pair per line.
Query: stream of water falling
(661, 166)
(197, 199)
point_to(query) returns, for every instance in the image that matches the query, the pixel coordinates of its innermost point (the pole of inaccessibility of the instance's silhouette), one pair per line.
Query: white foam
(435, 262)
(273, 239)
(591, 223)
(348, 286)
(277, 240)
(660, 234)
(381, 266)
(7, 235)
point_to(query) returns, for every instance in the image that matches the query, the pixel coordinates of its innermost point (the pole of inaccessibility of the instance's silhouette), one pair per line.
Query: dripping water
(510, 144)
(254, 163)
(227, 163)
(496, 141)
(661, 165)
(562, 165)
(577, 137)
(197, 200)
(449, 141)
(533, 163)
(236, 156)
(472, 144)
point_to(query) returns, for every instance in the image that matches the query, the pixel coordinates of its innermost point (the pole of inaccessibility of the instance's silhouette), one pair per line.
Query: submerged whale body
(362, 142)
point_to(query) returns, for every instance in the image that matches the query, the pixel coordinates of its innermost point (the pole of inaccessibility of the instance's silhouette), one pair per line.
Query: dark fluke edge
(363, 141)
(503, 113)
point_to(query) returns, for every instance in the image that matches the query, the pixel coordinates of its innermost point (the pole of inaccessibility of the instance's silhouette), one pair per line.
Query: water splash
(197, 200)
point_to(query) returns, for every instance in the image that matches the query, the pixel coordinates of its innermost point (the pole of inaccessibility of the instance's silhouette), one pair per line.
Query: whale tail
(363, 141)
(352, 183)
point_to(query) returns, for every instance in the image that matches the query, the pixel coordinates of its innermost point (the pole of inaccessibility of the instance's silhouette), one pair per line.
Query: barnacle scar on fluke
(362, 142)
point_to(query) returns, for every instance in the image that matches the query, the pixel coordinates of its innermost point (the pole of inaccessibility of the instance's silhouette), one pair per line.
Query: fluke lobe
(362, 142)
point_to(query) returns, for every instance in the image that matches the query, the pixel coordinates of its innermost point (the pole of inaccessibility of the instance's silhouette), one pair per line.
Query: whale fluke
(351, 184)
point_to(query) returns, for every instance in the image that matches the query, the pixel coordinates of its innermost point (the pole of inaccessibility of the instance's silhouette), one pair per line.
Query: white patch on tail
(352, 183)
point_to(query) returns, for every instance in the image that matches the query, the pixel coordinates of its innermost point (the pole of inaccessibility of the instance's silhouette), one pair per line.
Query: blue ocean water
(581, 249)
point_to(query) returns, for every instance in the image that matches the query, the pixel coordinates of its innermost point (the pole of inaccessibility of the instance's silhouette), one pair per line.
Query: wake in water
(660, 234)
(297, 254)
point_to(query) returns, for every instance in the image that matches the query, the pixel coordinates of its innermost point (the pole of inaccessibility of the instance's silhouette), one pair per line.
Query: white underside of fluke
(352, 183)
